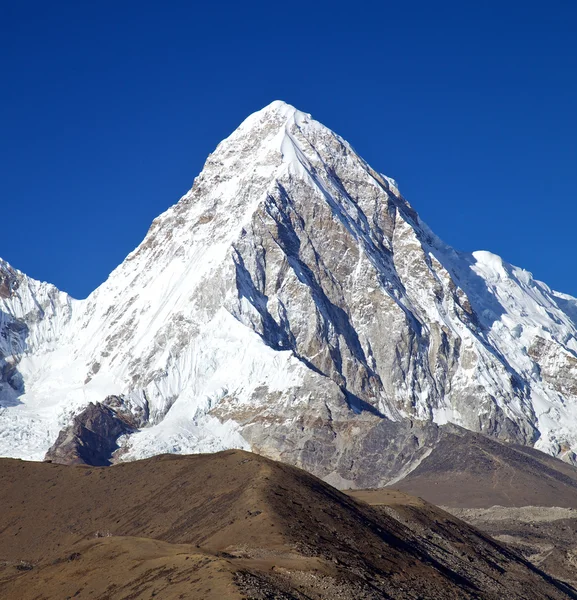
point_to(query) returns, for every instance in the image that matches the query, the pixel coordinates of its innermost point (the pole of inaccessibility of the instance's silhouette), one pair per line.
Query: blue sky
(109, 110)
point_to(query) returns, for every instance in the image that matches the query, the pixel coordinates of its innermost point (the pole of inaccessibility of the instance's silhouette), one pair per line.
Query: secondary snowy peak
(293, 302)
(21, 296)
(8, 279)
(33, 315)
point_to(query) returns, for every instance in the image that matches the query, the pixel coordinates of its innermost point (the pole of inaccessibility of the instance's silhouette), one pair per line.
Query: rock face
(294, 303)
(91, 437)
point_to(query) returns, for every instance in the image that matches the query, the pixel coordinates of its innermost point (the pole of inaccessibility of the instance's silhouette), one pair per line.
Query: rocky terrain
(237, 525)
(544, 536)
(292, 303)
(522, 497)
(91, 437)
(547, 537)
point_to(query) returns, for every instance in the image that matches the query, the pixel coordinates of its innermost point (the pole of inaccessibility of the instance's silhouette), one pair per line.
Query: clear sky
(109, 109)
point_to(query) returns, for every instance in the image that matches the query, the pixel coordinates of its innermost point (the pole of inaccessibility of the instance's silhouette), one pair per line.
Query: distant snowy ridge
(294, 303)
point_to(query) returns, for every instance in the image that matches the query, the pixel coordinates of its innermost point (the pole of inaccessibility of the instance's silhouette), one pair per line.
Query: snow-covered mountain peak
(270, 141)
(292, 300)
(278, 111)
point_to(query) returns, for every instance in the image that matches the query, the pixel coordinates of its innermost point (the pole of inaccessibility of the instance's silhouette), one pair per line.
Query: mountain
(238, 525)
(292, 303)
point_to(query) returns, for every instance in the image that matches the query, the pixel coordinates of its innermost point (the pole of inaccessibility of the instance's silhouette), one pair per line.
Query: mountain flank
(470, 470)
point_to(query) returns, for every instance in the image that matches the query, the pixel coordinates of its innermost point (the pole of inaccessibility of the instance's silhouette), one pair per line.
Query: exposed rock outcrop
(91, 437)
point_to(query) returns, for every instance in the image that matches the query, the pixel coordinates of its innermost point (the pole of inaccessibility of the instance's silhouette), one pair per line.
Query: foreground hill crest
(253, 529)
(292, 302)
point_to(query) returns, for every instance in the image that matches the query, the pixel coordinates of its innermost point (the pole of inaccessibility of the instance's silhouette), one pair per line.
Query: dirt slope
(471, 470)
(235, 525)
(522, 497)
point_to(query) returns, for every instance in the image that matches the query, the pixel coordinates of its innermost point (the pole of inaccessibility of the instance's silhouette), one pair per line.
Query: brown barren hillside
(471, 470)
(235, 525)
